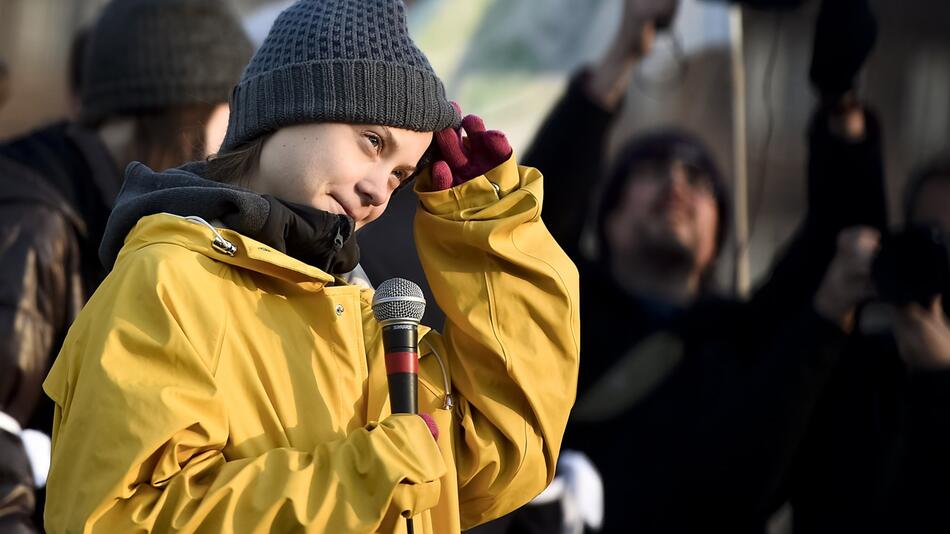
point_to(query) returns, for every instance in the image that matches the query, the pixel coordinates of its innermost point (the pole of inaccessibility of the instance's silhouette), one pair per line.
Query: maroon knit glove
(464, 158)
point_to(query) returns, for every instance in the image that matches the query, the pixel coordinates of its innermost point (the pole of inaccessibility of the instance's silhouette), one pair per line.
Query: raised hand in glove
(462, 158)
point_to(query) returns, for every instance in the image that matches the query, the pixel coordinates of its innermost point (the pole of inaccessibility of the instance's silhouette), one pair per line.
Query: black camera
(913, 266)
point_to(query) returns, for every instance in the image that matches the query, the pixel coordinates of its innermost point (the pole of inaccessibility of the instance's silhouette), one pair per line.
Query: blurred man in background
(690, 406)
(154, 85)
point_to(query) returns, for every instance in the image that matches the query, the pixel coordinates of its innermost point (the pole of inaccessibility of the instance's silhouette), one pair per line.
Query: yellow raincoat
(202, 392)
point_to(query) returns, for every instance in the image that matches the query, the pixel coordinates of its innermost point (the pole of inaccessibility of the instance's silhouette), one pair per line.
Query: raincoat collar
(200, 236)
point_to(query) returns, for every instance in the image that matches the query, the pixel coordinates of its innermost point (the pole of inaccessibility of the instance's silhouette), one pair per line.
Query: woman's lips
(342, 209)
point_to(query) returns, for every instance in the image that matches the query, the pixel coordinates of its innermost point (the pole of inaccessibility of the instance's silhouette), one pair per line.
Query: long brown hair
(235, 166)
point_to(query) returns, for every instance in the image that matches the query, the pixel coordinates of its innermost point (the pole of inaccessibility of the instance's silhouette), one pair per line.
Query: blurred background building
(508, 60)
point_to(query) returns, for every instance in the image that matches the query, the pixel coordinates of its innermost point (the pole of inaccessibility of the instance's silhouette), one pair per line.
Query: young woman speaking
(225, 377)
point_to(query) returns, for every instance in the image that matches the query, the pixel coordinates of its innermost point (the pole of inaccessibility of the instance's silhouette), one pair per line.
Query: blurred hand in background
(847, 281)
(639, 24)
(923, 335)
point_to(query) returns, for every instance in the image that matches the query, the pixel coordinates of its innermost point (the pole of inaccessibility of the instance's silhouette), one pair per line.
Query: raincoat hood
(318, 238)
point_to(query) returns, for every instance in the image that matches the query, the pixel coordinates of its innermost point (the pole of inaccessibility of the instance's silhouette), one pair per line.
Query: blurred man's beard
(667, 247)
(657, 255)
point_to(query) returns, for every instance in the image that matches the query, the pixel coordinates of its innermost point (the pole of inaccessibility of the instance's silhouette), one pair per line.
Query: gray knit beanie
(338, 61)
(147, 54)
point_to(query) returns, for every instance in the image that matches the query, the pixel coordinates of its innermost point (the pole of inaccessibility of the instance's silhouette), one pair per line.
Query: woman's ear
(430, 155)
(216, 128)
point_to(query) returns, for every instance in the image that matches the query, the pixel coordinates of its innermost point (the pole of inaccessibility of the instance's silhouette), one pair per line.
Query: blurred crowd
(823, 392)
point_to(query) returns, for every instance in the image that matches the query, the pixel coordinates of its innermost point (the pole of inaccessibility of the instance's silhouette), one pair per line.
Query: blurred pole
(740, 186)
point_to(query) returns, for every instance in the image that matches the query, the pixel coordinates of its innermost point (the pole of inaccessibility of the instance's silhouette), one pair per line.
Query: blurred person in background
(875, 457)
(690, 406)
(154, 85)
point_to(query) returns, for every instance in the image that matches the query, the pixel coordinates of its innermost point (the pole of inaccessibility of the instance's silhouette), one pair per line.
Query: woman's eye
(375, 140)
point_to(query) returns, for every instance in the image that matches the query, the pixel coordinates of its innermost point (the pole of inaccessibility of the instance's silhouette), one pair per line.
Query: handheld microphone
(398, 305)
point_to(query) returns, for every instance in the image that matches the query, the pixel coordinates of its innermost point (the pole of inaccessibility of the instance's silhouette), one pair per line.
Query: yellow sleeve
(140, 430)
(510, 296)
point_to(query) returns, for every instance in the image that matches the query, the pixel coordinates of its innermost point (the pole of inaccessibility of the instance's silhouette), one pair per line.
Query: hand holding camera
(923, 335)
(912, 272)
(909, 270)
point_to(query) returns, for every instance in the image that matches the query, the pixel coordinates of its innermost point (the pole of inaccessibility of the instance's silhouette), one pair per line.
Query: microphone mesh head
(398, 299)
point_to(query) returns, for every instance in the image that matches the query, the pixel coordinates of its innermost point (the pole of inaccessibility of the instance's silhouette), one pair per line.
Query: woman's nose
(374, 189)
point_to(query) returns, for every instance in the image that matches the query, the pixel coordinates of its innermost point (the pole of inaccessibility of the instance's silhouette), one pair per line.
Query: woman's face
(349, 169)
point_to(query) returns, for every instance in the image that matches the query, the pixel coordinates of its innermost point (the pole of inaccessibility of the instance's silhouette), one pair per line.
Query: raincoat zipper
(338, 241)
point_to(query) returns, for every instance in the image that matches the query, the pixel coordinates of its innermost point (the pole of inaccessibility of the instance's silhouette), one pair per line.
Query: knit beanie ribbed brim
(338, 61)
